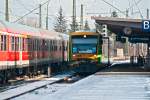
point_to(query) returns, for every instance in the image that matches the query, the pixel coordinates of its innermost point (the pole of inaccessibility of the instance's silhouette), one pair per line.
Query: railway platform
(107, 84)
(106, 87)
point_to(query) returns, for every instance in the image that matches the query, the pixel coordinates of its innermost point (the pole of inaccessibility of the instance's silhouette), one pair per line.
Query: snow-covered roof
(64, 36)
(49, 34)
(27, 30)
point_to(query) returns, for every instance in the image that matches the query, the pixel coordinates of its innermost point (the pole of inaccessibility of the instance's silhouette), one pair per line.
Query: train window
(51, 47)
(39, 45)
(17, 43)
(35, 44)
(33, 41)
(56, 42)
(60, 48)
(20, 44)
(56, 48)
(47, 45)
(50, 42)
(29, 44)
(13, 43)
(66, 48)
(24, 44)
(3, 42)
(53, 42)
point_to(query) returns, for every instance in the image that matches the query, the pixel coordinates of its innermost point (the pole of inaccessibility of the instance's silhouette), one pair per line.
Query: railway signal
(104, 30)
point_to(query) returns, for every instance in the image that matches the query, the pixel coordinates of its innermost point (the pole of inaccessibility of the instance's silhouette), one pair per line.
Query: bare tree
(86, 26)
(60, 25)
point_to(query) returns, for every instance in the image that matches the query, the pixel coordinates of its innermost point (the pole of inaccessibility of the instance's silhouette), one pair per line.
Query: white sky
(20, 7)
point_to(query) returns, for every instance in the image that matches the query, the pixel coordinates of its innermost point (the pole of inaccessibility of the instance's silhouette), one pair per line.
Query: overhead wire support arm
(30, 12)
(114, 7)
(138, 9)
(131, 6)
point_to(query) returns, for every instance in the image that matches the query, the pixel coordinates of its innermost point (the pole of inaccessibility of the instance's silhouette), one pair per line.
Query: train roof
(83, 33)
(49, 34)
(18, 29)
(27, 30)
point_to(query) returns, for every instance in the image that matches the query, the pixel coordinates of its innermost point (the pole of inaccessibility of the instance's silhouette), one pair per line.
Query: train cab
(85, 46)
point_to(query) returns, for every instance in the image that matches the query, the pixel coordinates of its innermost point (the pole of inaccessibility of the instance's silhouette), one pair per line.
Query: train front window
(84, 48)
(84, 45)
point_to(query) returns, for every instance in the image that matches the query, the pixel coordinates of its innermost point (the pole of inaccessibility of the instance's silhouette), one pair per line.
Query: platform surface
(102, 87)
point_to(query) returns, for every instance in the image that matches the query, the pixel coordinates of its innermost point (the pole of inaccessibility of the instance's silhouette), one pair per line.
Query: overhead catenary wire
(30, 11)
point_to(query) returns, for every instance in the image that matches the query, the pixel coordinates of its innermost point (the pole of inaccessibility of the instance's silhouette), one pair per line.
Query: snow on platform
(102, 87)
(30, 86)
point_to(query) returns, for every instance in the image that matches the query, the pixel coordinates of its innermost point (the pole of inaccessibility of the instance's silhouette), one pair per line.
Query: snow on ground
(41, 93)
(120, 62)
(30, 86)
(100, 87)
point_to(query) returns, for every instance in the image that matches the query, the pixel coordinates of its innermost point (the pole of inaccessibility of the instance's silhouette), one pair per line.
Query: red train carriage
(28, 49)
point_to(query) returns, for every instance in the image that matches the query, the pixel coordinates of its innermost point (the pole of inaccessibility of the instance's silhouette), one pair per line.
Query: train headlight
(74, 55)
(84, 36)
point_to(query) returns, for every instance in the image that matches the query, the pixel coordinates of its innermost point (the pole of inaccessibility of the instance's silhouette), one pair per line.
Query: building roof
(118, 25)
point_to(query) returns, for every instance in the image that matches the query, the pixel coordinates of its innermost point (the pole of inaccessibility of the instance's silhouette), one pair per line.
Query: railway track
(65, 80)
(21, 89)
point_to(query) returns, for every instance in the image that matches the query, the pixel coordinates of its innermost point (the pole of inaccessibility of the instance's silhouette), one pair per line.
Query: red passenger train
(25, 49)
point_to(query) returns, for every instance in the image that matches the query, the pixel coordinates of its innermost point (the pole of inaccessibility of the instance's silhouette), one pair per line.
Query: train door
(36, 55)
(20, 51)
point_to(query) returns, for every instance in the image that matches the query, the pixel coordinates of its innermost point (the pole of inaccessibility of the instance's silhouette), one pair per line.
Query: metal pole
(74, 16)
(147, 13)
(81, 17)
(40, 18)
(47, 16)
(7, 11)
(148, 51)
(108, 51)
